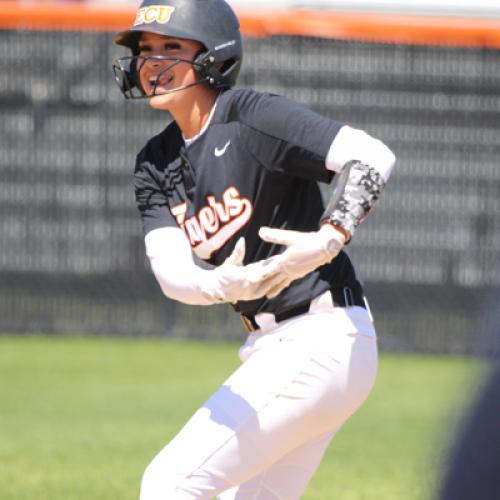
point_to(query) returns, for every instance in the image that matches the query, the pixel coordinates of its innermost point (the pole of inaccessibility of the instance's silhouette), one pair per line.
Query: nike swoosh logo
(221, 151)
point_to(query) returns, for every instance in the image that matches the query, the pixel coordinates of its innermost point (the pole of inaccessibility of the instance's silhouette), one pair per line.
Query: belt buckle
(247, 324)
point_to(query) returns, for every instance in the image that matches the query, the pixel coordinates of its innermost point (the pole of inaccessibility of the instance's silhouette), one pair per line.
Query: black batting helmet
(210, 22)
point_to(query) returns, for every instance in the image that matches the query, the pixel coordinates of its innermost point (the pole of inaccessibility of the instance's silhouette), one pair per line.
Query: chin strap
(355, 191)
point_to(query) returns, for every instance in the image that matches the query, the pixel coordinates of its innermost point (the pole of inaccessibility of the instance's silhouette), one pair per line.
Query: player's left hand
(305, 251)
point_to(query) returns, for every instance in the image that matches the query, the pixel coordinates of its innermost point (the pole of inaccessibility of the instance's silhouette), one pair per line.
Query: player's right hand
(305, 251)
(234, 281)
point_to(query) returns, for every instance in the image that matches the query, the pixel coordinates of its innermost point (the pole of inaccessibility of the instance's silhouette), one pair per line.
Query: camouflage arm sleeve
(355, 191)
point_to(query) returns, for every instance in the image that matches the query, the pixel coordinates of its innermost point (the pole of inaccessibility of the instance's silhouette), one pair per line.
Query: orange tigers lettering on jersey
(195, 231)
(208, 219)
(179, 212)
(215, 223)
(218, 208)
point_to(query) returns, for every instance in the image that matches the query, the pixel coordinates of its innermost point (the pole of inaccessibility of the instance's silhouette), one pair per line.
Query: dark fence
(71, 248)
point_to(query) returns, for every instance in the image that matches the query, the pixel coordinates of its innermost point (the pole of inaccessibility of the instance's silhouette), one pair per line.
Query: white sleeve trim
(353, 144)
(179, 277)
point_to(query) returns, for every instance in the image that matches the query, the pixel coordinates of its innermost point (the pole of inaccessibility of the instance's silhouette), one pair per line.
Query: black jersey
(257, 164)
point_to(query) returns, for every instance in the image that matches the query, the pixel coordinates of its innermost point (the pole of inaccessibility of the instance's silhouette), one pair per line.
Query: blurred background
(95, 372)
(422, 76)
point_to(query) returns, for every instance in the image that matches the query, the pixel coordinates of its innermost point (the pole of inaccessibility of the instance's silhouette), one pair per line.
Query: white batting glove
(305, 251)
(234, 282)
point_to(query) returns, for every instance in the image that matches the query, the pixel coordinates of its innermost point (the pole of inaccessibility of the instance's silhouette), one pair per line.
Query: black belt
(342, 297)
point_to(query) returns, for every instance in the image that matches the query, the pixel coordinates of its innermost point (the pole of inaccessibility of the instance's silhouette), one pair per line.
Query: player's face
(160, 76)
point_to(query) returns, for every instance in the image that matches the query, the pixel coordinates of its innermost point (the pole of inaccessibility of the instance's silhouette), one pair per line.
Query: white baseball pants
(262, 435)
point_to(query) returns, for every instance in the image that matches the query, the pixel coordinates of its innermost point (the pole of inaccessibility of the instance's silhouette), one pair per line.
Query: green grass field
(80, 418)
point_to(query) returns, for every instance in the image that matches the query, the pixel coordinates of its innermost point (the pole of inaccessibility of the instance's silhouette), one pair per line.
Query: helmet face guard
(127, 75)
(210, 22)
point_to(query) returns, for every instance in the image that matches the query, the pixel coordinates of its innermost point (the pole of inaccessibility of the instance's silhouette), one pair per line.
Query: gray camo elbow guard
(355, 191)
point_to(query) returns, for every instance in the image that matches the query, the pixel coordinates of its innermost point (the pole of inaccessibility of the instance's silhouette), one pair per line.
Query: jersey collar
(188, 142)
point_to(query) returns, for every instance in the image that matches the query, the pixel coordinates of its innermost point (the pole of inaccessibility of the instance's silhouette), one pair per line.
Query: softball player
(233, 178)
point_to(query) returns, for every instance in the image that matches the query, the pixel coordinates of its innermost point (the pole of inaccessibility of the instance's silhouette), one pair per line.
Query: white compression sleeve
(352, 144)
(179, 277)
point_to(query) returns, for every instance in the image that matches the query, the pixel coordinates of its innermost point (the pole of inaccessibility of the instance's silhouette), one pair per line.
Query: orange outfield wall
(389, 28)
